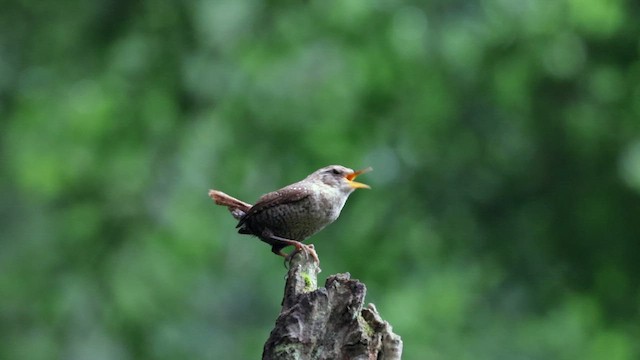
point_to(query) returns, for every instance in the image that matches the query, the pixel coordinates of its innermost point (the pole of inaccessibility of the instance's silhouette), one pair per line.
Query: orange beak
(355, 184)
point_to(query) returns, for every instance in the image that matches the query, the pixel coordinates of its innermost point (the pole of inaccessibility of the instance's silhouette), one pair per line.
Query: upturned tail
(237, 207)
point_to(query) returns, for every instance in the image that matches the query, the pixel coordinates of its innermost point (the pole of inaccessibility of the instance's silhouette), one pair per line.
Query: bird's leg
(307, 249)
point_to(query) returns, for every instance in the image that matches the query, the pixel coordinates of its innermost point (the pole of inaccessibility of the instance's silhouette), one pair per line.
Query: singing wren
(296, 212)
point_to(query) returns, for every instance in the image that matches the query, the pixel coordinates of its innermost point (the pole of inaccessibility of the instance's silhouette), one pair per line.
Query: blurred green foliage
(505, 138)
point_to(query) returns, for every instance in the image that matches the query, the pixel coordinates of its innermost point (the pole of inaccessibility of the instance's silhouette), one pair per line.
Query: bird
(292, 214)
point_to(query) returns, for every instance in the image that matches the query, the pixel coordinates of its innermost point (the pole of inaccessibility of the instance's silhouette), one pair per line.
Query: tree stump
(328, 323)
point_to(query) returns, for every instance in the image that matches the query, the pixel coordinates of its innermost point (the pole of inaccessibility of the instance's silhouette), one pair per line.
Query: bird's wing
(286, 195)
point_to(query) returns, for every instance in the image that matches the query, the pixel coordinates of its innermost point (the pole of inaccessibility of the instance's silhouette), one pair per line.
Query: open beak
(355, 184)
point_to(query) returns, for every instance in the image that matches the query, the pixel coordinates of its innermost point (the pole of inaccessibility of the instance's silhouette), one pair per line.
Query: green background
(503, 222)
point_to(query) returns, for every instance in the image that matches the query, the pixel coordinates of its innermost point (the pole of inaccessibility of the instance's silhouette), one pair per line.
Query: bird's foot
(307, 250)
(282, 242)
(311, 250)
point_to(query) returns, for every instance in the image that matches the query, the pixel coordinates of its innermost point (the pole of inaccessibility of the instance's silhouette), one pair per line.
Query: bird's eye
(336, 171)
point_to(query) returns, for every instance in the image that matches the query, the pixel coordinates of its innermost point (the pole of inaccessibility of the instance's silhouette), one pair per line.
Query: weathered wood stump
(328, 323)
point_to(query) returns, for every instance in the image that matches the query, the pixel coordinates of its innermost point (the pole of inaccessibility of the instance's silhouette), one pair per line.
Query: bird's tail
(237, 207)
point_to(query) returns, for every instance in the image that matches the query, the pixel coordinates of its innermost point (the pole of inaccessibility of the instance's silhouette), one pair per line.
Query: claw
(307, 250)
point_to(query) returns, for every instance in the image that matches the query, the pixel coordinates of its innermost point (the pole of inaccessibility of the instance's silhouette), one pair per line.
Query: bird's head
(340, 177)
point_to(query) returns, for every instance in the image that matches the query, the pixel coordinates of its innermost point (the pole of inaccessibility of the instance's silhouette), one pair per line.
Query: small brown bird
(294, 213)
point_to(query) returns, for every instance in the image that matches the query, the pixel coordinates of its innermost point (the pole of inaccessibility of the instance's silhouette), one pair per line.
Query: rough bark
(329, 322)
